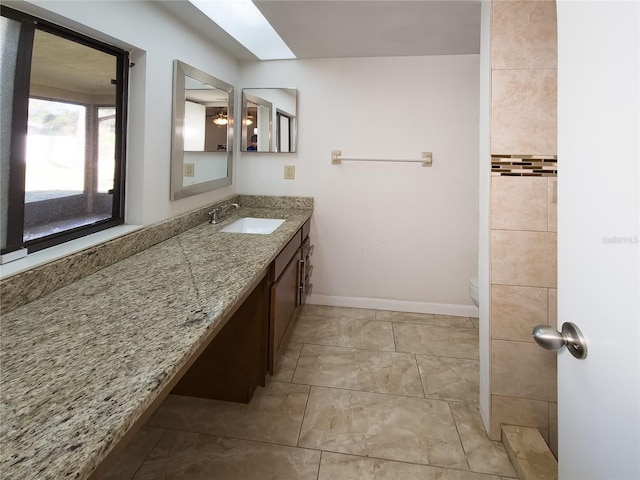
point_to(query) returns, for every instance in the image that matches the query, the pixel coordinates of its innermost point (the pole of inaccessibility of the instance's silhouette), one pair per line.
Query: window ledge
(51, 254)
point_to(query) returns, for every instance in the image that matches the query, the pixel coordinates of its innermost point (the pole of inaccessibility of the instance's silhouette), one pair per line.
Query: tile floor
(359, 395)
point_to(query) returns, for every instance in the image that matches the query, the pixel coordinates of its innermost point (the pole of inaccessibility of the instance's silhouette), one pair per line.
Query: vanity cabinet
(284, 304)
(250, 343)
(289, 276)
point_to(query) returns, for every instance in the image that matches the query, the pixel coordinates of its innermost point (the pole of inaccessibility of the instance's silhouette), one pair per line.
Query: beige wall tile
(524, 35)
(523, 370)
(531, 456)
(523, 112)
(553, 428)
(516, 310)
(523, 258)
(553, 204)
(553, 308)
(518, 411)
(519, 203)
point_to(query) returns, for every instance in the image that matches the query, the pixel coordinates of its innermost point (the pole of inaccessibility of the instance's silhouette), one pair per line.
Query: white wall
(155, 40)
(387, 235)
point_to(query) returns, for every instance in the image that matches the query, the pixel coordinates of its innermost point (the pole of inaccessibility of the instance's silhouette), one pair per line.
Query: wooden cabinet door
(284, 305)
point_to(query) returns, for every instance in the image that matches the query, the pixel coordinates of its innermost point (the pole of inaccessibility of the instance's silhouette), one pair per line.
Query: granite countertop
(81, 365)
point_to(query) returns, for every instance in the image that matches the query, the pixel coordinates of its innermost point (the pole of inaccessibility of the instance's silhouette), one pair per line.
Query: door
(284, 307)
(598, 216)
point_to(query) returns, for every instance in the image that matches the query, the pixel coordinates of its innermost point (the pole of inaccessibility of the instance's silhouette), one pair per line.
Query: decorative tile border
(524, 165)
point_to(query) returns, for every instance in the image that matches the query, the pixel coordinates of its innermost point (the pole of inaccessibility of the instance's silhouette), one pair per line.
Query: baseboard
(395, 305)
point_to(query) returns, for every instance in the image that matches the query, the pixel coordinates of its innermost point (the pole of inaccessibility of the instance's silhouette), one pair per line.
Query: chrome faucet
(219, 214)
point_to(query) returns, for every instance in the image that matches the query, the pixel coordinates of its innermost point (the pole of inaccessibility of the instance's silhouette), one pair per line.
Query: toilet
(473, 289)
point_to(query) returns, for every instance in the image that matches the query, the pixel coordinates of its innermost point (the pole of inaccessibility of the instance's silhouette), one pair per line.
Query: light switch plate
(189, 170)
(289, 172)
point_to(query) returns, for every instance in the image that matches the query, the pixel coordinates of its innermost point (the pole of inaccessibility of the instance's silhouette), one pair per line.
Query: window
(64, 122)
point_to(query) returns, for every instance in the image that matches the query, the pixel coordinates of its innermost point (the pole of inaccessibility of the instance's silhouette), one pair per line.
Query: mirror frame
(273, 143)
(178, 190)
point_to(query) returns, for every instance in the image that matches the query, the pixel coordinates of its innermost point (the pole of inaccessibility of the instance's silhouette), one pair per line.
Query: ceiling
(70, 66)
(311, 29)
(355, 28)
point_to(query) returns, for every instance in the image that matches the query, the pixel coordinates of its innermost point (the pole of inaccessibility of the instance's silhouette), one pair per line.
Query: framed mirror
(202, 132)
(269, 119)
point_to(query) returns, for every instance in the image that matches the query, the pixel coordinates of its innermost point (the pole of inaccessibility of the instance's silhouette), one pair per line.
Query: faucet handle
(213, 215)
(219, 213)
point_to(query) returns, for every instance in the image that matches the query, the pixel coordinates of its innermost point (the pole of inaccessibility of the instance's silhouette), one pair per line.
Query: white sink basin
(260, 226)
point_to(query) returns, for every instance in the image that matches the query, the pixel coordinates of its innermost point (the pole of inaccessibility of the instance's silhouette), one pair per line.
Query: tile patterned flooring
(359, 395)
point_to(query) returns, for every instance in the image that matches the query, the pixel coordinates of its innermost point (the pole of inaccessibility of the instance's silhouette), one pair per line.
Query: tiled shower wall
(523, 214)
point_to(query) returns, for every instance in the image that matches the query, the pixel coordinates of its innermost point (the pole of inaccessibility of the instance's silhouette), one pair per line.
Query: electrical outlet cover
(289, 172)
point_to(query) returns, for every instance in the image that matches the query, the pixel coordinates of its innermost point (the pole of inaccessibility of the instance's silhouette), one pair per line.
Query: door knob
(571, 337)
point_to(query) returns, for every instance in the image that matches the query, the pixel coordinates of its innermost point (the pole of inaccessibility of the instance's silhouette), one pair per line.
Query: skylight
(243, 21)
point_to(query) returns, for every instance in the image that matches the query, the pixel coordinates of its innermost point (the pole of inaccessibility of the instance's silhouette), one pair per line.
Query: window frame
(17, 161)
